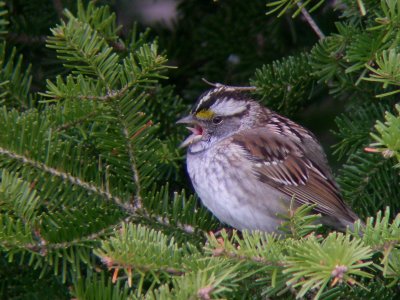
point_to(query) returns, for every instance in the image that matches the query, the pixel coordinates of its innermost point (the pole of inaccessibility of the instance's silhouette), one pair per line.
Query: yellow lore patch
(205, 114)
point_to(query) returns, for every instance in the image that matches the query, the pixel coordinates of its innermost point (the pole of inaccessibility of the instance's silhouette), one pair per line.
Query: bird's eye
(217, 120)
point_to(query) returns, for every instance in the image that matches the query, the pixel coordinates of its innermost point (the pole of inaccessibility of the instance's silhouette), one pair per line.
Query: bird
(249, 164)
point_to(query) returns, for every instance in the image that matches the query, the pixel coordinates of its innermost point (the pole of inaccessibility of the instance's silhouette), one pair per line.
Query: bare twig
(137, 200)
(68, 125)
(258, 259)
(25, 39)
(111, 264)
(58, 6)
(165, 221)
(111, 95)
(310, 21)
(238, 88)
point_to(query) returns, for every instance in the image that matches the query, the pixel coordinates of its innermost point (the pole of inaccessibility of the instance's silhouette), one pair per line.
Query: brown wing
(282, 164)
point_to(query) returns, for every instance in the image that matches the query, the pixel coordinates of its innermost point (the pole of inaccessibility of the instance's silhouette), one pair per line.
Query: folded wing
(280, 163)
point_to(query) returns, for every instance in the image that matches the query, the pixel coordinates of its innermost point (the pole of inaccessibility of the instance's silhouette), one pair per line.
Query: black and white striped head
(218, 113)
(220, 101)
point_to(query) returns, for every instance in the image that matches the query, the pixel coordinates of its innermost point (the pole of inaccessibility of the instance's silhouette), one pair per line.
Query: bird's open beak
(197, 131)
(186, 120)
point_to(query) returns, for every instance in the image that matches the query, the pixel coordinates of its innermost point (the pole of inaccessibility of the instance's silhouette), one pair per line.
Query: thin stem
(43, 247)
(70, 178)
(137, 199)
(68, 125)
(58, 7)
(189, 229)
(220, 85)
(310, 21)
(25, 39)
(258, 259)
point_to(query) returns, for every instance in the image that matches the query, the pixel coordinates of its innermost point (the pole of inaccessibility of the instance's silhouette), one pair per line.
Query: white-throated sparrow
(247, 162)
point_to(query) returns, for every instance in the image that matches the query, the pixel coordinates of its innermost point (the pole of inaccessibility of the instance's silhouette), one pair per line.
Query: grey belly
(236, 198)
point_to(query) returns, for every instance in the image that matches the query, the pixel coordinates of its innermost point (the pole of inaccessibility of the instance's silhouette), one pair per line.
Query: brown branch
(141, 129)
(75, 122)
(165, 221)
(204, 293)
(137, 200)
(25, 39)
(110, 263)
(238, 88)
(386, 245)
(58, 7)
(311, 21)
(258, 259)
(111, 95)
(117, 46)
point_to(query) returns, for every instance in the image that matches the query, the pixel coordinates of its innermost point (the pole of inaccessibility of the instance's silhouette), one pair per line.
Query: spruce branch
(285, 84)
(146, 250)
(380, 232)
(215, 279)
(68, 177)
(129, 138)
(100, 19)
(388, 136)
(18, 211)
(137, 201)
(15, 79)
(44, 247)
(85, 89)
(221, 252)
(357, 179)
(258, 248)
(354, 128)
(97, 286)
(75, 122)
(82, 88)
(4, 22)
(182, 212)
(93, 137)
(167, 222)
(300, 222)
(84, 50)
(387, 71)
(312, 265)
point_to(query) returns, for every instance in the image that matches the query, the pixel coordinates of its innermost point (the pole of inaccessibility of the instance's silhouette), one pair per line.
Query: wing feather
(280, 162)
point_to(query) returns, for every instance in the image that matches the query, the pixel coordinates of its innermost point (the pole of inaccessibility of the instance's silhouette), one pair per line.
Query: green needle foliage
(282, 6)
(97, 287)
(388, 133)
(286, 85)
(15, 81)
(336, 259)
(94, 200)
(387, 72)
